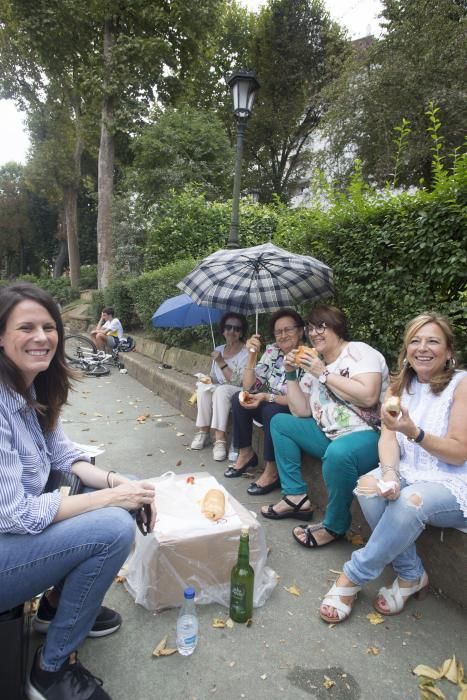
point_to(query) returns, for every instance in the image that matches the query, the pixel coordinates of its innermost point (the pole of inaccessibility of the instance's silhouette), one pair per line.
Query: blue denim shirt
(27, 455)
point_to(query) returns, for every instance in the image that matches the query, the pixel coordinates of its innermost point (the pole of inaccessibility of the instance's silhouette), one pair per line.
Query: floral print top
(270, 372)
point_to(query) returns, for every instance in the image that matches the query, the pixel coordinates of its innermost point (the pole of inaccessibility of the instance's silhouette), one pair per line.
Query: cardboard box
(162, 566)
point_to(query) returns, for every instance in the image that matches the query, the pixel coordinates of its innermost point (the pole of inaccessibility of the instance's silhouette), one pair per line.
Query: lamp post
(243, 85)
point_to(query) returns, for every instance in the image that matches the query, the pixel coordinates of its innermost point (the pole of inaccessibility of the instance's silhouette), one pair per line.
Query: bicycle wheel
(97, 371)
(75, 344)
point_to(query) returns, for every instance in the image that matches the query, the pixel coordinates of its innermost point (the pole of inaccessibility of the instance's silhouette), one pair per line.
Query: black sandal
(310, 540)
(296, 511)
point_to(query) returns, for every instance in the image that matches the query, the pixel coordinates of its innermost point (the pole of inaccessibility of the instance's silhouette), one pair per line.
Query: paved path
(288, 651)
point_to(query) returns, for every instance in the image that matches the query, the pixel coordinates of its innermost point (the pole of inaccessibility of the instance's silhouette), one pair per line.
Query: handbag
(66, 482)
(373, 421)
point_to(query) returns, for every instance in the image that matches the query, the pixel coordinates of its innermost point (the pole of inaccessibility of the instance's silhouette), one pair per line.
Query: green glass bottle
(242, 581)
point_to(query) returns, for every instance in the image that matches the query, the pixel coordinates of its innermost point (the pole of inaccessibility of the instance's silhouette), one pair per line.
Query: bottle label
(238, 597)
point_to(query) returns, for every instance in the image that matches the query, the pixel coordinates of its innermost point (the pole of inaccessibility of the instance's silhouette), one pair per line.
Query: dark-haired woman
(266, 382)
(214, 399)
(333, 409)
(74, 543)
(422, 476)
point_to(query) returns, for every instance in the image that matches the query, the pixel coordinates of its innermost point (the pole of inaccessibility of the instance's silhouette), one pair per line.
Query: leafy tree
(419, 59)
(180, 147)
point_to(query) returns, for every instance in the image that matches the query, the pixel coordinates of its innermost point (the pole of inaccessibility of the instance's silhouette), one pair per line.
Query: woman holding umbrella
(214, 398)
(267, 382)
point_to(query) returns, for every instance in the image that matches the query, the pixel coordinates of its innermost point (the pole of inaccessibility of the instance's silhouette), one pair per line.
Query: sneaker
(107, 621)
(200, 440)
(219, 451)
(71, 682)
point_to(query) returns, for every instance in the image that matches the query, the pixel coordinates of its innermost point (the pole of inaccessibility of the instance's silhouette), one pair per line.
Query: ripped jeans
(396, 525)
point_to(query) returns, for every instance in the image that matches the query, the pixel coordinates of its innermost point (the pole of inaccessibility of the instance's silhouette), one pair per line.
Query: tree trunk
(62, 254)
(70, 195)
(105, 169)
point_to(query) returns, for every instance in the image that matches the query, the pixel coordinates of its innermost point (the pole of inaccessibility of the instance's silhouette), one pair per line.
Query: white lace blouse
(431, 412)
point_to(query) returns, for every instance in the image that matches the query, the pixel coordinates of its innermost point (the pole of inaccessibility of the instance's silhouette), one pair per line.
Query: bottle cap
(189, 593)
(245, 530)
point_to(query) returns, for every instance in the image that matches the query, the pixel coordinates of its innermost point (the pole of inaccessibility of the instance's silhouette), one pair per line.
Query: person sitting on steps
(109, 330)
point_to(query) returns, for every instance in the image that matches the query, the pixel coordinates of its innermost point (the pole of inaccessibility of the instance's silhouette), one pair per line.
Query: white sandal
(333, 600)
(396, 597)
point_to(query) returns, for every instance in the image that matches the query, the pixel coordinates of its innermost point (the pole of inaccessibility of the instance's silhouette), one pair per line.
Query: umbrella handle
(212, 332)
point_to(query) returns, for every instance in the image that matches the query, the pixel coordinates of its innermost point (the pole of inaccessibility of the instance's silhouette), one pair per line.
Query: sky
(360, 17)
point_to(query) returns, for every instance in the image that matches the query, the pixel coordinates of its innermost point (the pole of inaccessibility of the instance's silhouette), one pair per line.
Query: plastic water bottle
(233, 453)
(187, 624)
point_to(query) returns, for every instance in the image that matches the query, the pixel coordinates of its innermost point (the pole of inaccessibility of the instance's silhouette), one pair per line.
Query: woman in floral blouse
(267, 383)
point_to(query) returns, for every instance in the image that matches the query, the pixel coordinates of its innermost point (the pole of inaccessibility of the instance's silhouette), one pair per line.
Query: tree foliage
(418, 60)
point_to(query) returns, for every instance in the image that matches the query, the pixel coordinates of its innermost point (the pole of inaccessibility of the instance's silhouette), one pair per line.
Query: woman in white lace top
(422, 477)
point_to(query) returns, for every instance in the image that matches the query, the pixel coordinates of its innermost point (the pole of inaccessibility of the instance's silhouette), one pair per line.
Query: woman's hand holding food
(253, 344)
(248, 400)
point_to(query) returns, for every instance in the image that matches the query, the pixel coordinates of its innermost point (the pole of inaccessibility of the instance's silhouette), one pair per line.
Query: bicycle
(81, 353)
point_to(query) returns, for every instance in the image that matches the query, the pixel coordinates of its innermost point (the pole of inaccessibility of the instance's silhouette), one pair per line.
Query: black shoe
(107, 621)
(232, 473)
(255, 490)
(71, 682)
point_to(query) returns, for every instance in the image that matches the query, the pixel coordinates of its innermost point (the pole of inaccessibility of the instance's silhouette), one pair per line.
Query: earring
(405, 362)
(450, 363)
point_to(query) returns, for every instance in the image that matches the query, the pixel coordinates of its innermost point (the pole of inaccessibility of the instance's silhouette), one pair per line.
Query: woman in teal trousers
(334, 413)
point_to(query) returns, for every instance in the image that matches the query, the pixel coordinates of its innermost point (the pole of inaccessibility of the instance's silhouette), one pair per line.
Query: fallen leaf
(328, 682)
(449, 670)
(232, 664)
(190, 480)
(355, 539)
(333, 571)
(85, 430)
(264, 676)
(141, 419)
(229, 623)
(149, 454)
(218, 623)
(180, 434)
(119, 411)
(462, 695)
(431, 692)
(426, 671)
(294, 590)
(120, 579)
(177, 464)
(374, 651)
(98, 415)
(83, 413)
(161, 649)
(375, 618)
(417, 615)
(161, 451)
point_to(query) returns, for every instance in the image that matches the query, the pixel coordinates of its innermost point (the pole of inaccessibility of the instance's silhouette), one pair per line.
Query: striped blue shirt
(26, 457)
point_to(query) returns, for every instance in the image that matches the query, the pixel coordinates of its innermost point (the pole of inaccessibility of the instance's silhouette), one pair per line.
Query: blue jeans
(396, 525)
(83, 554)
(344, 460)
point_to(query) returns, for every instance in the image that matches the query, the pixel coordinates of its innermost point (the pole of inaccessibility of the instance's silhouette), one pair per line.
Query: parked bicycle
(81, 353)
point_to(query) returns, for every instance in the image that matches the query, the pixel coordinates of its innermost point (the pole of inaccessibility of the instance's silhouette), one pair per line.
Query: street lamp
(243, 85)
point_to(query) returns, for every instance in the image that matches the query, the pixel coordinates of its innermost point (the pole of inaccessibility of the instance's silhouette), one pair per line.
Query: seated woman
(75, 543)
(267, 382)
(333, 411)
(422, 477)
(214, 400)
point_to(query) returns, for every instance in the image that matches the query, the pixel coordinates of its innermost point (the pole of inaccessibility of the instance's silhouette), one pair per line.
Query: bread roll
(206, 380)
(302, 356)
(245, 397)
(393, 405)
(213, 504)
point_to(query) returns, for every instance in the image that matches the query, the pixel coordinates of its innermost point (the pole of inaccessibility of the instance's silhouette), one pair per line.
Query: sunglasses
(143, 519)
(230, 327)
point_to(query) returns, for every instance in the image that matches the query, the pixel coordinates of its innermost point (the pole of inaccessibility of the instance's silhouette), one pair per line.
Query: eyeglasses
(285, 331)
(319, 329)
(230, 327)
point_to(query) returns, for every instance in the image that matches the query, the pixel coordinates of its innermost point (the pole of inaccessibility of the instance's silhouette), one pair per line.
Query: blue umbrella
(182, 312)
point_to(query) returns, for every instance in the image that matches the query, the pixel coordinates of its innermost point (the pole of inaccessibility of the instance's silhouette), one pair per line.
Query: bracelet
(224, 366)
(291, 376)
(110, 483)
(385, 468)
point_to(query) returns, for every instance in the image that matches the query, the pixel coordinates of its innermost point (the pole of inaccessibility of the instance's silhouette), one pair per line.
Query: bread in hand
(392, 405)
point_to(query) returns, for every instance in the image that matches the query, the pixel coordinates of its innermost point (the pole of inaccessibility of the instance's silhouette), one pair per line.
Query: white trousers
(214, 406)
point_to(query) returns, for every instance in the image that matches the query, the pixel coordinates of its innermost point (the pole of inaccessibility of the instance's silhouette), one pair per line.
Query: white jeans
(214, 406)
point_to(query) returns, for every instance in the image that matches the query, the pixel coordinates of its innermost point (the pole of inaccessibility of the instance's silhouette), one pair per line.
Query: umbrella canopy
(258, 279)
(181, 312)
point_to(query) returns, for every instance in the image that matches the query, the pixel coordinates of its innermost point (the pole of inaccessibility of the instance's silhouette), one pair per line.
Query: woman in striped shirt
(75, 543)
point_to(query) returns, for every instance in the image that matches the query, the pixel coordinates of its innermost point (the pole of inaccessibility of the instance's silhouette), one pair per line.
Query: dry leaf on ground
(294, 590)
(375, 618)
(374, 651)
(180, 434)
(218, 623)
(328, 682)
(177, 464)
(355, 539)
(161, 649)
(120, 579)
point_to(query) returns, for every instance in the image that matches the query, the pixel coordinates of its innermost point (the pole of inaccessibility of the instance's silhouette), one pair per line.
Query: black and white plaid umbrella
(258, 279)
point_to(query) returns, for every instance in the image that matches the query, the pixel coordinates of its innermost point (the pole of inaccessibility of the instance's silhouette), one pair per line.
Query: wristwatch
(419, 437)
(323, 378)
(271, 398)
